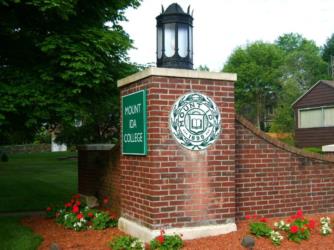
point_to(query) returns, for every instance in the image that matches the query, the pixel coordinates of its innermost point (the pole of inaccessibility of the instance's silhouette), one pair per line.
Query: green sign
(134, 136)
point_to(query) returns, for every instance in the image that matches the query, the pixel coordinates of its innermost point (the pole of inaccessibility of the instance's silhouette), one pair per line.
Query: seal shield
(195, 121)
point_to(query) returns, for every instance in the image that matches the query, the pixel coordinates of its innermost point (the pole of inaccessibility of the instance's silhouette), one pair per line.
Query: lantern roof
(174, 9)
(175, 13)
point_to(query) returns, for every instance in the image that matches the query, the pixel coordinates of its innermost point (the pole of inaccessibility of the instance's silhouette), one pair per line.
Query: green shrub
(103, 220)
(76, 215)
(4, 157)
(300, 228)
(260, 229)
(166, 242)
(126, 243)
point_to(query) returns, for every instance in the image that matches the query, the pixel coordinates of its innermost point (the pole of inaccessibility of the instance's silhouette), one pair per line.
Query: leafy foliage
(258, 86)
(272, 76)
(260, 229)
(283, 120)
(203, 68)
(299, 229)
(103, 220)
(4, 157)
(166, 242)
(59, 62)
(328, 49)
(303, 64)
(76, 215)
(126, 243)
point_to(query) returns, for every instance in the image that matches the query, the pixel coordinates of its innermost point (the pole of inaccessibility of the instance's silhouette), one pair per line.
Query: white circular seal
(195, 121)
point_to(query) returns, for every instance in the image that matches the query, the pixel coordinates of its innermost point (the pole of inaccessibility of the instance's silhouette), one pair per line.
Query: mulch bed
(98, 240)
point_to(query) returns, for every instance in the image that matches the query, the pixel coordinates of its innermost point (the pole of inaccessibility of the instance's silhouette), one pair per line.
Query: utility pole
(332, 66)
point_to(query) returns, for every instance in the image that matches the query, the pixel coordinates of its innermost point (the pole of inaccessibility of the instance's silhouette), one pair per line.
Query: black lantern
(175, 38)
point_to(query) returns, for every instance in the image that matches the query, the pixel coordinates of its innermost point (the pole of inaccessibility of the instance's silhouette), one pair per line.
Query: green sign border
(144, 100)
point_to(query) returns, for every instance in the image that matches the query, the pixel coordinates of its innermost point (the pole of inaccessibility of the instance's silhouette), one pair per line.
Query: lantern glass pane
(183, 40)
(190, 42)
(169, 39)
(159, 42)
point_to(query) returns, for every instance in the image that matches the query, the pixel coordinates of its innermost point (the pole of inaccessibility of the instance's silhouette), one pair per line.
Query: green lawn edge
(15, 236)
(31, 182)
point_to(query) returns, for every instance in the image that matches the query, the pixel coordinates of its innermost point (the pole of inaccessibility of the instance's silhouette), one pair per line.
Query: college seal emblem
(195, 121)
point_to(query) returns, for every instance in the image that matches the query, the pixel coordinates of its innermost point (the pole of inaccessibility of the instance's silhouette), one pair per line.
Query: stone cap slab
(183, 73)
(94, 147)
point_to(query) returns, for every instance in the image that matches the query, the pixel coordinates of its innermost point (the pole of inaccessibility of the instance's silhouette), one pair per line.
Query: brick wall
(172, 186)
(243, 172)
(99, 174)
(273, 179)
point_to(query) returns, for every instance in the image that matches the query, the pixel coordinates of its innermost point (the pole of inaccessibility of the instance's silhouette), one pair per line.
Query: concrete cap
(182, 73)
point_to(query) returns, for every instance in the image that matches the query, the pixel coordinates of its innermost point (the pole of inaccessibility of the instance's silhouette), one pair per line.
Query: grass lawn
(14, 236)
(32, 181)
(314, 150)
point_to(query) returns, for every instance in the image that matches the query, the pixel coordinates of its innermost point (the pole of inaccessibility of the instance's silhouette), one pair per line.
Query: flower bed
(91, 239)
(296, 228)
(76, 215)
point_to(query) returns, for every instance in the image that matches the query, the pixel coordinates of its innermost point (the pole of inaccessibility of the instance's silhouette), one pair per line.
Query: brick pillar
(174, 188)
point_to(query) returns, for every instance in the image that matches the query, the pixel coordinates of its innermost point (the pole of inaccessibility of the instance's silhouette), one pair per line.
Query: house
(314, 115)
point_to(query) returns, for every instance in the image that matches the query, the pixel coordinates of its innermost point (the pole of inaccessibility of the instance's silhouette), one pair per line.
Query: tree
(258, 85)
(290, 42)
(203, 68)
(302, 67)
(59, 62)
(328, 49)
(283, 120)
(302, 61)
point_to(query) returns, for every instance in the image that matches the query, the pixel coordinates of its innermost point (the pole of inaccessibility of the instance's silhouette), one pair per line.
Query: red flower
(113, 215)
(105, 200)
(75, 209)
(294, 229)
(299, 214)
(311, 224)
(80, 216)
(247, 217)
(302, 230)
(91, 215)
(254, 216)
(78, 203)
(77, 196)
(263, 219)
(68, 205)
(160, 238)
(48, 209)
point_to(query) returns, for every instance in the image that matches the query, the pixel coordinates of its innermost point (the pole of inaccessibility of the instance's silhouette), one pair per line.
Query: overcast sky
(222, 25)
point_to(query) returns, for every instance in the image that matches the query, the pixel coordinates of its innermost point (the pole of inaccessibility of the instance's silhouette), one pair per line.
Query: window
(329, 117)
(317, 117)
